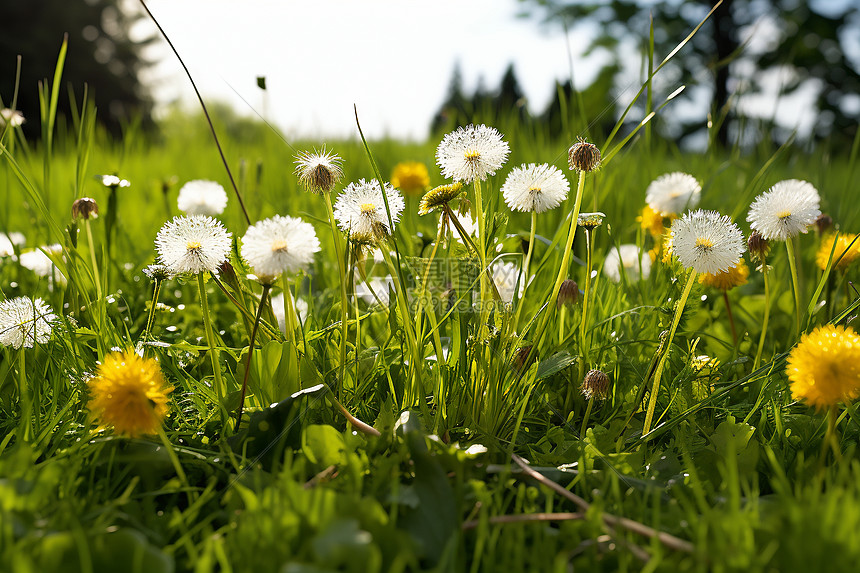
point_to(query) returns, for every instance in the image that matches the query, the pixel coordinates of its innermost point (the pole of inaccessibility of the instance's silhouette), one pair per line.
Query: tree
(100, 54)
(806, 41)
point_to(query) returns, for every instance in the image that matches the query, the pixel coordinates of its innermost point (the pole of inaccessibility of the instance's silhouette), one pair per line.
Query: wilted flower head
(673, 193)
(629, 259)
(568, 293)
(786, 209)
(319, 171)
(129, 393)
(192, 244)
(727, 279)
(471, 153)
(583, 156)
(360, 209)
(84, 208)
(845, 248)
(112, 181)
(278, 245)
(411, 177)
(595, 385)
(202, 197)
(25, 322)
(438, 196)
(824, 367)
(758, 245)
(11, 117)
(707, 241)
(590, 221)
(535, 188)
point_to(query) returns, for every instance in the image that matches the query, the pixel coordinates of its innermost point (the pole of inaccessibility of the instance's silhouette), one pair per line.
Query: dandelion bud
(568, 293)
(84, 208)
(758, 245)
(438, 196)
(523, 356)
(595, 385)
(227, 273)
(590, 221)
(823, 223)
(583, 156)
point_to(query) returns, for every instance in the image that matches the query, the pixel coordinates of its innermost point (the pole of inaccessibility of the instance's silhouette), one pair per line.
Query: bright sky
(393, 58)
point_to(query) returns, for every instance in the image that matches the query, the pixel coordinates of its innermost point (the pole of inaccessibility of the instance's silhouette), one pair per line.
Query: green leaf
(323, 445)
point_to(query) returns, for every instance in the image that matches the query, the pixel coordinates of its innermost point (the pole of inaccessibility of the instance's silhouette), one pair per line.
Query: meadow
(425, 379)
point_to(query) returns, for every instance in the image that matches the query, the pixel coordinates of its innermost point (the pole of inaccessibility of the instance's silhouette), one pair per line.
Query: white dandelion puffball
(707, 241)
(319, 171)
(535, 188)
(673, 193)
(200, 197)
(360, 209)
(278, 245)
(192, 244)
(375, 290)
(786, 209)
(300, 306)
(505, 277)
(24, 322)
(628, 259)
(471, 153)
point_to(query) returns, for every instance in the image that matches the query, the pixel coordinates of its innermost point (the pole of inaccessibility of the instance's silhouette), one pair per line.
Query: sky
(392, 58)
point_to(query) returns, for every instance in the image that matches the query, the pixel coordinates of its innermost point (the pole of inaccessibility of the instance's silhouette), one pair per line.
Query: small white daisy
(375, 290)
(192, 244)
(24, 322)
(360, 210)
(278, 245)
(201, 197)
(278, 310)
(535, 188)
(319, 171)
(471, 153)
(627, 258)
(786, 209)
(11, 116)
(707, 241)
(673, 193)
(505, 276)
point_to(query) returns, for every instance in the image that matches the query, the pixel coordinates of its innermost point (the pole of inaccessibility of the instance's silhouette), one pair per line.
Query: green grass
(733, 467)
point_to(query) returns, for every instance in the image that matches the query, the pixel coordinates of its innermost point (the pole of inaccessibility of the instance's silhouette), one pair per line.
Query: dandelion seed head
(192, 244)
(535, 188)
(673, 193)
(279, 245)
(627, 259)
(319, 171)
(360, 209)
(785, 210)
(201, 197)
(25, 322)
(471, 153)
(706, 241)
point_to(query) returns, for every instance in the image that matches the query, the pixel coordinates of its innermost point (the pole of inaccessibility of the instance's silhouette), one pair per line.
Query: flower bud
(583, 156)
(758, 245)
(595, 385)
(568, 293)
(84, 208)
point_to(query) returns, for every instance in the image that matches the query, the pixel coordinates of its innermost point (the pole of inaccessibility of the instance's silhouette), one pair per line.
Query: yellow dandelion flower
(844, 249)
(667, 249)
(651, 221)
(439, 196)
(728, 279)
(411, 177)
(129, 393)
(824, 367)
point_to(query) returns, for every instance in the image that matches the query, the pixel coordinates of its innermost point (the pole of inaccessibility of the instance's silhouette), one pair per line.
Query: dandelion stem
(526, 265)
(289, 310)
(586, 417)
(24, 396)
(213, 350)
(260, 308)
(343, 299)
(482, 255)
(92, 245)
(792, 264)
(758, 353)
(151, 318)
(582, 323)
(655, 388)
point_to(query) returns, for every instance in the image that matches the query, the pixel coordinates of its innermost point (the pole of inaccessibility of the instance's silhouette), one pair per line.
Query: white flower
(506, 276)
(278, 310)
(9, 241)
(11, 116)
(200, 197)
(673, 193)
(469, 225)
(24, 322)
(535, 188)
(319, 171)
(627, 258)
(786, 209)
(192, 244)
(278, 245)
(707, 241)
(112, 181)
(360, 209)
(375, 290)
(471, 153)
